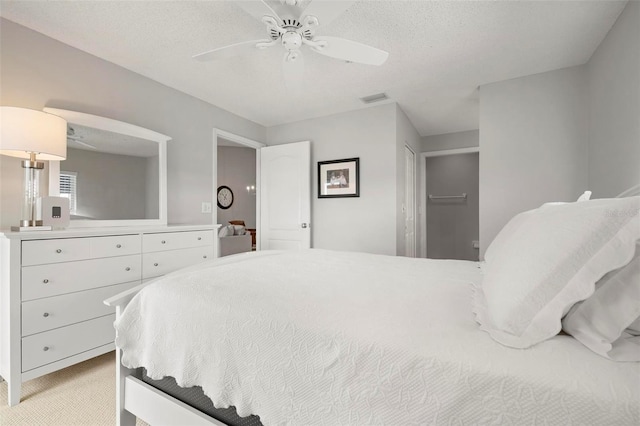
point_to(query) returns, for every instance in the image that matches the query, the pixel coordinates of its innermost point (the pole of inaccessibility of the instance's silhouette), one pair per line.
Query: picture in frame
(339, 178)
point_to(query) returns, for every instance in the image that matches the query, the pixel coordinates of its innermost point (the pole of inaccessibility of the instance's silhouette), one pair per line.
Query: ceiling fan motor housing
(291, 40)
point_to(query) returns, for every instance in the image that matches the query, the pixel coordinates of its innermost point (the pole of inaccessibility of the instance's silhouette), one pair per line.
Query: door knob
(304, 225)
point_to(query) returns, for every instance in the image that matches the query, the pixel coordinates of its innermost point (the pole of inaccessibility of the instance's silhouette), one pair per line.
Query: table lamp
(27, 133)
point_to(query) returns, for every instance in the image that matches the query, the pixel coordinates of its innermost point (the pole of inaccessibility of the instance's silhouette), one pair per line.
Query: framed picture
(339, 178)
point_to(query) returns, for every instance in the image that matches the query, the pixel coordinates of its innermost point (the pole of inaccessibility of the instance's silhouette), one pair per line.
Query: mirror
(114, 174)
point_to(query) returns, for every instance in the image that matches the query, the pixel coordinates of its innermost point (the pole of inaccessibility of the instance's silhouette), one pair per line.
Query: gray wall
(237, 170)
(614, 116)
(550, 136)
(452, 225)
(457, 140)
(533, 142)
(38, 71)
(367, 223)
(109, 186)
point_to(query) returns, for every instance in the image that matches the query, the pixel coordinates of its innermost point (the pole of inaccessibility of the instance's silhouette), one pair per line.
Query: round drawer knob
(46, 314)
(155, 264)
(127, 269)
(59, 251)
(46, 348)
(45, 281)
(118, 245)
(163, 242)
(204, 257)
(199, 238)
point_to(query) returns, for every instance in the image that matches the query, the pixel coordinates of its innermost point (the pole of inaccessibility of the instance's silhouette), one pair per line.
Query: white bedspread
(321, 337)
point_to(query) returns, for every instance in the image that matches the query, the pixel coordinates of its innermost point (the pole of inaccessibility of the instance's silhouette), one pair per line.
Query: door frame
(423, 192)
(249, 143)
(413, 195)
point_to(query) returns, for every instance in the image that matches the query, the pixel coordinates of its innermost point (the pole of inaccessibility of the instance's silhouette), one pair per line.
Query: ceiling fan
(295, 32)
(71, 136)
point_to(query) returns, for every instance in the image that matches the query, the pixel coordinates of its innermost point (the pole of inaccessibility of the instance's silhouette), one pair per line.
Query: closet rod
(446, 197)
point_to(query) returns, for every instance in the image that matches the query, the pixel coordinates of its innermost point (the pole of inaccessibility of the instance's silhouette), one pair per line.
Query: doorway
(451, 204)
(237, 161)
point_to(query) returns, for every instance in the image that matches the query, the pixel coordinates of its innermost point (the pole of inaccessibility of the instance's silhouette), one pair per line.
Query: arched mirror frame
(110, 125)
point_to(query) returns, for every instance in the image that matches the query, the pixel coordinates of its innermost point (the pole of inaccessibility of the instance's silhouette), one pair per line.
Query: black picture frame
(339, 178)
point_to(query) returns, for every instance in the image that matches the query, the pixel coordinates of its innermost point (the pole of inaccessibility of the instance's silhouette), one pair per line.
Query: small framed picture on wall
(339, 178)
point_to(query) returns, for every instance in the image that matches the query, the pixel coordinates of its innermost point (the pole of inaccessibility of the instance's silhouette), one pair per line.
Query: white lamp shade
(23, 131)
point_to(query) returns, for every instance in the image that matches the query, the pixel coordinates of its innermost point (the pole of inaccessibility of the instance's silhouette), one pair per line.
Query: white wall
(367, 223)
(533, 144)
(38, 71)
(456, 140)
(237, 170)
(614, 116)
(406, 134)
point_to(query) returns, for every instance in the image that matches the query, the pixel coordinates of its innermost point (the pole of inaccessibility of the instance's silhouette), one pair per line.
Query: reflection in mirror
(109, 176)
(114, 174)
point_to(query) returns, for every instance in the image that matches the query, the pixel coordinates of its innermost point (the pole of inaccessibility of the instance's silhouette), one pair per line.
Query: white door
(409, 202)
(285, 196)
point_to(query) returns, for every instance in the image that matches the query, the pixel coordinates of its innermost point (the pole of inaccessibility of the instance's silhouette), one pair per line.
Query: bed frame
(135, 398)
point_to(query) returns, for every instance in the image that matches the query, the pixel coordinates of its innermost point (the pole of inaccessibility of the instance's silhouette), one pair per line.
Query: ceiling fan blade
(237, 49)
(76, 140)
(293, 71)
(351, 51)
(325, 10)
(259, 9)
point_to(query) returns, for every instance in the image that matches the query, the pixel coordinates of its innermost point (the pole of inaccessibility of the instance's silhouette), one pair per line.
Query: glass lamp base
(26, 223)
(31, 228)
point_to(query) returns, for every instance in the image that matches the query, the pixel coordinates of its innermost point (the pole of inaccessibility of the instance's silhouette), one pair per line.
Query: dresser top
(92, 232)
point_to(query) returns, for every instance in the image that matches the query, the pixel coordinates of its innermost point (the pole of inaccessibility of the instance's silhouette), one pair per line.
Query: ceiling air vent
(374, 98)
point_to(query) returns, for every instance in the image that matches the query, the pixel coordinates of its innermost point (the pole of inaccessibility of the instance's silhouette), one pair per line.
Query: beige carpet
(83, 394)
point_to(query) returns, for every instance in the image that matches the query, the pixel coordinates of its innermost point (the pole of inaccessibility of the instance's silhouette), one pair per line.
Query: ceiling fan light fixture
(378, 97)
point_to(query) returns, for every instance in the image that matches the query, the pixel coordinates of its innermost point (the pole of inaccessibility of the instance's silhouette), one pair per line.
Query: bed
(326, 337)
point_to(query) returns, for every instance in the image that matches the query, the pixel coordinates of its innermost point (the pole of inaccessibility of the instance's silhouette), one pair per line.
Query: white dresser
(52, 285)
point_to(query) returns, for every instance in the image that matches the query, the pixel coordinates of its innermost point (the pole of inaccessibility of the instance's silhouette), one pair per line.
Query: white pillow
(602, 322)
(514, 224)
(225, 231)
(586, 196)
(504, 236)
(550, 262)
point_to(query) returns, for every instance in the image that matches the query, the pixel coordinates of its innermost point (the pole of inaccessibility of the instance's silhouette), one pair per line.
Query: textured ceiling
(439, 51)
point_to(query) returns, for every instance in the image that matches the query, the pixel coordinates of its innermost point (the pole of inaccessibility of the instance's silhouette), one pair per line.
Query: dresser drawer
(54, 345)
(59, 311)
(40, 252)
(163, 262)
(176, 240)
(58, 278)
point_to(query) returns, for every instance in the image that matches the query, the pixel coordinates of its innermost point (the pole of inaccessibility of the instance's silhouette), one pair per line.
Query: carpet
(83, 394)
